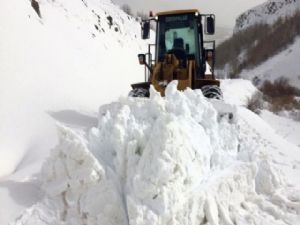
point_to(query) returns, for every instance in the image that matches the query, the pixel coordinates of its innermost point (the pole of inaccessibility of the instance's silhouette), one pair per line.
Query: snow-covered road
(170, 161)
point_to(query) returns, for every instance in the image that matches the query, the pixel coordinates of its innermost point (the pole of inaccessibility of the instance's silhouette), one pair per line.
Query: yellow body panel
(172, 69)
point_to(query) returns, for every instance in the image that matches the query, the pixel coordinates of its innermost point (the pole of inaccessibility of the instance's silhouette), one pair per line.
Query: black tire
(212, 91)
(139, 92)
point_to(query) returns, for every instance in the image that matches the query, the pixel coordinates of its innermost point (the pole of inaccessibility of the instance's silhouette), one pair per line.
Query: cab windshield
(177, 33)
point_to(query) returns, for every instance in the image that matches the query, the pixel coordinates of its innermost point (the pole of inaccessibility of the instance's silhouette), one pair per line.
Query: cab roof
(175, 12)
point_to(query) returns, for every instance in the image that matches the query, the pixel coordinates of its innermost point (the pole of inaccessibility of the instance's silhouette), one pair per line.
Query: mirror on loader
(145, 29)
(209, 55)
(210, 24)
(142, 59)
(210, 59)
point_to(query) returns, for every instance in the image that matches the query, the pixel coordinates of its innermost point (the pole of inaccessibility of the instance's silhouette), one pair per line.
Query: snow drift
(162, 161)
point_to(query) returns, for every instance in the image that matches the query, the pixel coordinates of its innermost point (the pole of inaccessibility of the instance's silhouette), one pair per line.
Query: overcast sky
(226, 10)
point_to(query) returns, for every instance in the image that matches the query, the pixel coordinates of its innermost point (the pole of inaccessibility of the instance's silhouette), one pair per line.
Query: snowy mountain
(265, 44)
(71, 58)
(59, 67)
(267, 12)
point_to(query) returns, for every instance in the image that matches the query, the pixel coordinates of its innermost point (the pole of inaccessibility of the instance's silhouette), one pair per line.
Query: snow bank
(237, 91)
(169, 160)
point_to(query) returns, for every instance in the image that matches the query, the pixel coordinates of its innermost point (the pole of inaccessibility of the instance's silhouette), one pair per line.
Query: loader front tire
(139, 92)
(212, 91)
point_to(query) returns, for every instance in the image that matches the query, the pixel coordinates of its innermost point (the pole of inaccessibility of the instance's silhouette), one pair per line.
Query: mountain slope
(264, 49)
(57, 68)
(285, 64)
(266, 13)
(71, 58)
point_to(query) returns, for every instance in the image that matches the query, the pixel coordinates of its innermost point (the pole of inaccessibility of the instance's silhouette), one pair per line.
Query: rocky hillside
(260, 35)
(267, 13)
(265, 48)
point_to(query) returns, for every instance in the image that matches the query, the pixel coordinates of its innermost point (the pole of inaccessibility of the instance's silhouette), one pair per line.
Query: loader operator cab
(178, 35)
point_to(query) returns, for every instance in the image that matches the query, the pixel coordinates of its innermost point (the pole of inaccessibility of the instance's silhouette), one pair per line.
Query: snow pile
(267, 13)
(237, 91)
(169, 160)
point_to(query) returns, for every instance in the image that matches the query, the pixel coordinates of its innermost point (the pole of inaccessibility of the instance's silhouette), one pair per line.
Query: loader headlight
(142, 58)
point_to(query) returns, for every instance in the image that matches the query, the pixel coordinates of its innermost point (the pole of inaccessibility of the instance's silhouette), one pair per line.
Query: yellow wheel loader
(179, 53)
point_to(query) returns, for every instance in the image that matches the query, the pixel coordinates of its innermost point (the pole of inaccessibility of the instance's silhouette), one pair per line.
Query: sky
(226, 11)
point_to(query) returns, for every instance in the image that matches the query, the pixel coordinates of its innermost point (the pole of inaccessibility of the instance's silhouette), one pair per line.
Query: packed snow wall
(160, 161)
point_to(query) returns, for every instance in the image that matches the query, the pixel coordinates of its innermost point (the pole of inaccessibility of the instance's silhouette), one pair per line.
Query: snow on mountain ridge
(162, 161)
(267, 12)
(96, 14)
